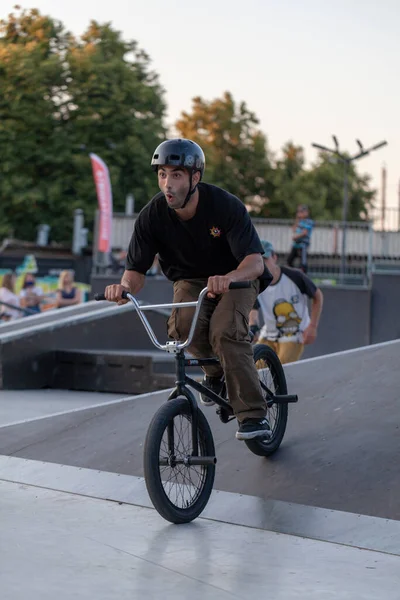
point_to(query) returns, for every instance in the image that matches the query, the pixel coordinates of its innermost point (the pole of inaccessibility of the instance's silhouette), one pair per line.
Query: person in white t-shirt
(7, 295)
(288, 325)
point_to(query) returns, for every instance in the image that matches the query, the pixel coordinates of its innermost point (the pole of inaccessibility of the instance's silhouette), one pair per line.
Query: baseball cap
(268, 249)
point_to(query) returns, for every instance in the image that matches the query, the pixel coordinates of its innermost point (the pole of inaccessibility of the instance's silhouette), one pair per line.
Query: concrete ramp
(340, 450)
(99, 330)
(49, 316)
(72, 493)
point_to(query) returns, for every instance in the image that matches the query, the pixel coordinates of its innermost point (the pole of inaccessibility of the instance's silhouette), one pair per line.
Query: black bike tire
(268, 447)
(160, 500)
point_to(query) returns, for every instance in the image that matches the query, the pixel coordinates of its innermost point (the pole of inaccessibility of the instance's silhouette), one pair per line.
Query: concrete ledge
(105, 371)
(48, 316)
(31, 350)
(359, 531)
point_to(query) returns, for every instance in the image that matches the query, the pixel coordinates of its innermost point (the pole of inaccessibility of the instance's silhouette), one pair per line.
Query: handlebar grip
(102, 296)
(239, 285)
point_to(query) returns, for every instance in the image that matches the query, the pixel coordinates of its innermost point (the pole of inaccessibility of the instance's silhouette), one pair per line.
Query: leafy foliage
(60, 99)
(236, 151)
(239, 160)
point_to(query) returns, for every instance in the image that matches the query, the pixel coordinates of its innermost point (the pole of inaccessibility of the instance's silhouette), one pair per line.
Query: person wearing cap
(302, 230)
(288, 325)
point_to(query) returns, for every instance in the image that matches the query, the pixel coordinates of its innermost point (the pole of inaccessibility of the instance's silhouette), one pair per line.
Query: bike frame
(183, 382)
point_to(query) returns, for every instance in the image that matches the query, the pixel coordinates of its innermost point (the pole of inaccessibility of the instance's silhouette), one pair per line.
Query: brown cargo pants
(222, 330)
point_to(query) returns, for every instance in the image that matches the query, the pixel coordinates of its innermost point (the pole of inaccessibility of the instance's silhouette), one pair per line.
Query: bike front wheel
(178, 489)
(272, 376)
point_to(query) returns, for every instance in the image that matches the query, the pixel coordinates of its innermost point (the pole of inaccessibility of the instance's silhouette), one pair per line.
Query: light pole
(346, 160)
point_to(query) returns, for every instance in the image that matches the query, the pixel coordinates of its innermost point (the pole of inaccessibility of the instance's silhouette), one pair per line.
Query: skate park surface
(319, 519)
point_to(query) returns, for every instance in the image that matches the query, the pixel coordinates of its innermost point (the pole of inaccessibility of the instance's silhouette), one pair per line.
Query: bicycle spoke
(182, 482)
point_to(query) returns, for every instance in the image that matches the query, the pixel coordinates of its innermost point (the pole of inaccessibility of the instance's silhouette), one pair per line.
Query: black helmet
(181, 153)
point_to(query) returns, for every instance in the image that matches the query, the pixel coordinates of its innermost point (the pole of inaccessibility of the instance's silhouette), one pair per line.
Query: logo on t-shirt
(287, 319)
(215, 231)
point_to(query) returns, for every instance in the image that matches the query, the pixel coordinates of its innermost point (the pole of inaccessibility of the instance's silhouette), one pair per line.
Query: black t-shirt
(213, 242)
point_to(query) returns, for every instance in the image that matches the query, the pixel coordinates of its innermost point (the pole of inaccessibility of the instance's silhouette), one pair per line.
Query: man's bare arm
(251, 267)
(303, 233)
(132, 282)
(316, 308)
(310, 332)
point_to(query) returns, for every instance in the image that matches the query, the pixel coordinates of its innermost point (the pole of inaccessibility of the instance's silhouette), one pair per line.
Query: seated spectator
(31, 295)
(8, 295)
(67, 294)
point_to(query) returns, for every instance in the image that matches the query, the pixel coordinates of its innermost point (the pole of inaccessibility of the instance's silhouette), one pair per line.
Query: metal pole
(95, 253)
(344, 220)
(383, 208)
(43, 235)
(370, 251)
(130, 205)
(398, 208)
(78, 224)
(347, 161)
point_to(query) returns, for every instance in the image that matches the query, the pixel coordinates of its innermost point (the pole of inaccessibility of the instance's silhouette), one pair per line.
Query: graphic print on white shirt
(284, 307)
(286, 318)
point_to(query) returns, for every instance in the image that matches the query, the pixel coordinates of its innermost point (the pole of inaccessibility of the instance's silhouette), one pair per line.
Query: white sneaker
(251, 429)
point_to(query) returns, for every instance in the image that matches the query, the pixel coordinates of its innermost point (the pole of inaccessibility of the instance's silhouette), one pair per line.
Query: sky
(307, 68)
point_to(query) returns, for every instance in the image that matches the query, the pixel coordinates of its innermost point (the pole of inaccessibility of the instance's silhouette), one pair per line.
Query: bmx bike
(179, 453)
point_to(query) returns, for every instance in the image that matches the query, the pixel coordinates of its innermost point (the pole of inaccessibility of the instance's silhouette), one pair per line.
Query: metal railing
(367, 245)
(386, 218)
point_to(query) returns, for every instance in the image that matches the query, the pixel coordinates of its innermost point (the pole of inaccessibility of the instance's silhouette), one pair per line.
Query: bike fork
(182, 390)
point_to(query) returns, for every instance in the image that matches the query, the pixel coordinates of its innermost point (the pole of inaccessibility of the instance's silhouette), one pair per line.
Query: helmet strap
(191, 191)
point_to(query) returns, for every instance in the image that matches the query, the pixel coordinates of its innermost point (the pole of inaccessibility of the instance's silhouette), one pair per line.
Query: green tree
(116, 110)
(31, 137)
(60, 99)
(320, 187)
(236, 152)
(324, 185)
(286, 183)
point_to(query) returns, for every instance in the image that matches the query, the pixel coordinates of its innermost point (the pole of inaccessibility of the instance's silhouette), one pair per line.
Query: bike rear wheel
(178, 490)
(272, 375)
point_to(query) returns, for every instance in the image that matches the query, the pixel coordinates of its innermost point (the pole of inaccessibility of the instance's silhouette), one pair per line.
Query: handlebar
(235, 285)
(173, 346)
